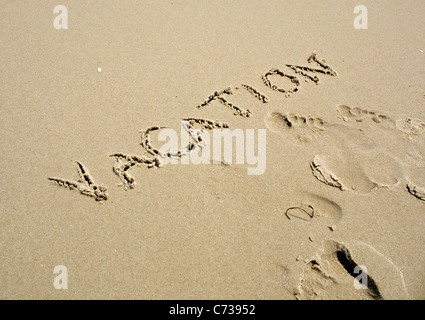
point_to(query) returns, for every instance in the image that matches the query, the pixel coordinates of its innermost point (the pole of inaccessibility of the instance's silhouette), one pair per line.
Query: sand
(344, 185)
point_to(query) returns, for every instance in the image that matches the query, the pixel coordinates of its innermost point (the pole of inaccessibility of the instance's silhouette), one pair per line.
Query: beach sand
(344, 185)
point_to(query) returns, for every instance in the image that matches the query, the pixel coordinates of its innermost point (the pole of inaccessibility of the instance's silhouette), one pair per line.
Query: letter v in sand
(85, 184)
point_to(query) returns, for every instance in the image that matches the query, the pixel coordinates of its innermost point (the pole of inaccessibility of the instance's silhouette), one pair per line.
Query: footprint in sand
(359, 115)
(404, 124)
(368, 158)
(369, 151)
(359, 171)
(299, 127)
(333, 273)
(410, 126)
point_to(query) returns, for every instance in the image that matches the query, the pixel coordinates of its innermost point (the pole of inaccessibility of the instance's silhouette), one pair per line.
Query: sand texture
(86, 183)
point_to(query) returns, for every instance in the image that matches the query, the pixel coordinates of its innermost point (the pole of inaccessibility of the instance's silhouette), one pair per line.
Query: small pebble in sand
(99, 69)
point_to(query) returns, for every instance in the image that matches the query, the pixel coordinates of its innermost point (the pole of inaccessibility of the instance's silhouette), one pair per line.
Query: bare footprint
(359, 115)
(405, 124)
(399, 137)
(381, 168)
(356, 169)
(411, 126)
(350, 271)
(330, 275)
(299, 127)
(342, 171)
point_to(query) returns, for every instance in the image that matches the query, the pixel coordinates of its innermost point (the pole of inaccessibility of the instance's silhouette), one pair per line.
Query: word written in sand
(85, 184)
(307, 72)
(155, 157)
